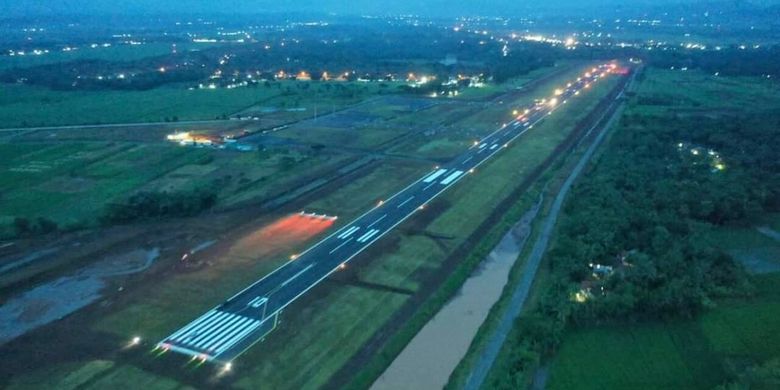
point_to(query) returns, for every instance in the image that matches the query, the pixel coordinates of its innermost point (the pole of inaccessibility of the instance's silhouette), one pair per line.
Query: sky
(374, 7)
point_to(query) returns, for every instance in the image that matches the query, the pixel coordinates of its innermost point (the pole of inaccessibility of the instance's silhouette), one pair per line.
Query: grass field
(70, 183)
(112, 53)
(693, 91)
(514, 83)
(27, 106)
(684, 354)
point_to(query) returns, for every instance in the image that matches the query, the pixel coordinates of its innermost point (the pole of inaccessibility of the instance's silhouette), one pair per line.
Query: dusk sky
(428, 8)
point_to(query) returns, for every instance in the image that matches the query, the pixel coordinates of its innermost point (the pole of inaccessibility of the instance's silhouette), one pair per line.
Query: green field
(696, 92)
(71, 182)
(28, 106)
(680, 354)
(112, 53)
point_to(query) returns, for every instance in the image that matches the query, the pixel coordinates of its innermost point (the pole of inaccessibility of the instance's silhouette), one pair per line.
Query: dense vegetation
(633, 242)
(157, 204)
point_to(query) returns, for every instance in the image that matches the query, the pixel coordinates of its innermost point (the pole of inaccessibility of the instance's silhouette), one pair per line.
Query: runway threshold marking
(348, 232)
(368, 235)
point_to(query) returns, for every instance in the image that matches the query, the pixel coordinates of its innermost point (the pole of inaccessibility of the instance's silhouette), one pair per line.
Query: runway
(227, 330)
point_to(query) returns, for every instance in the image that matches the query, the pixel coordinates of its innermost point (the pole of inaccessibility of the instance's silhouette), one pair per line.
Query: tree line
(646, 208)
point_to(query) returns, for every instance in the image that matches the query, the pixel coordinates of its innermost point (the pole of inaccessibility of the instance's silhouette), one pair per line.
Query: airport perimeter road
(227, 330)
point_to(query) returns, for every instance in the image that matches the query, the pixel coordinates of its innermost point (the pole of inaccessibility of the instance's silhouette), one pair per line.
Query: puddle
(56, 299)
(14, 264)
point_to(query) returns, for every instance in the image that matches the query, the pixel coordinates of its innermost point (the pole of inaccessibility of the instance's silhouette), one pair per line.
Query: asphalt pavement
(227, 330)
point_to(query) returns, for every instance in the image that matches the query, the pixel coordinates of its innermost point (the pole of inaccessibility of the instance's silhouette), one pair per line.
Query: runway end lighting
(342, 266)
(228, 366)
(381, 202)
(135, 341)
(514, 112)
(476, 143)
(553, 102)
(294, 256)
(471, 170)
(558, 92)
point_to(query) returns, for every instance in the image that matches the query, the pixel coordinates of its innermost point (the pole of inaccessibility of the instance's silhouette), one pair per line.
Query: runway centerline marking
(339, 247)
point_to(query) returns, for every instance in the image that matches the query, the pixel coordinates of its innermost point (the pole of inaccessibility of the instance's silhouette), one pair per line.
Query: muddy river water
(432, 355)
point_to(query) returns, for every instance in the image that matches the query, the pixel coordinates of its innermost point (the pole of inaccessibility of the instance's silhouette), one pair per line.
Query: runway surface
(227, 330)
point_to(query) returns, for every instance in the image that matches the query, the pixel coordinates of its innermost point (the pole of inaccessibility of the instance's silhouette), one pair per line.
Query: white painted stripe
(230, 342)
(214, 329)
(434, 175)
(348, 232)
(494, 146)
(238, 328)
(242, 321)
(296, 275)
(202, 325)
(340, 245)
(368, 234)
(468, 159)
(451, 177)
(482, 145)
(217, 332)
(429, 186)
(377, 221)
(366, 237)
(405, 202)
(257, 301)
(193, 335)
(187, 327)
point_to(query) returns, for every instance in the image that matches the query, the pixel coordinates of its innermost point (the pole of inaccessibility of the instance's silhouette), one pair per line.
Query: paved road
(227, 330)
